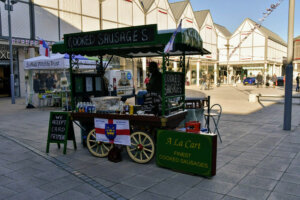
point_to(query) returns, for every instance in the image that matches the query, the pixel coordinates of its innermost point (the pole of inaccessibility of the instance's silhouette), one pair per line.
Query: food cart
(132, 42)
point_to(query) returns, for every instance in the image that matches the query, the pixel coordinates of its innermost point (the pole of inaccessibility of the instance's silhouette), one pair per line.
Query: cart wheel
(142, 147)
(97, 148)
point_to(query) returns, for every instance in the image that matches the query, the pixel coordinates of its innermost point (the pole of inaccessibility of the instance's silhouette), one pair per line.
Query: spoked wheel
(142, 148)
(97, 148)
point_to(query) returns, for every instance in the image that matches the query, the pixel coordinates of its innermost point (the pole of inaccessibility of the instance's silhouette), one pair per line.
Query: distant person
(268, 78)
(49, 82)
(274, 80)
(297, 81)
(155, 82)
(204, 79)
(147, 79)
(36, 84)
(259, 79)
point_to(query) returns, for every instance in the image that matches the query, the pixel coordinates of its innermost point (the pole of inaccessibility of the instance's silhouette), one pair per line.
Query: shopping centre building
(262, 51)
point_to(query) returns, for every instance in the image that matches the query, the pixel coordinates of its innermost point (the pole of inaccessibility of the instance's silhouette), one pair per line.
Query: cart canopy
(137, 41)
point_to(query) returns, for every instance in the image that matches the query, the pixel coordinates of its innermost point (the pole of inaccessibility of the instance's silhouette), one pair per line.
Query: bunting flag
(265, 15)
(44, 48)
(114, 131)
(169, 46)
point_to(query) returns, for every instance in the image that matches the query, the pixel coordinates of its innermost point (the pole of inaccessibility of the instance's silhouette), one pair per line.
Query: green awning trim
(187, 41)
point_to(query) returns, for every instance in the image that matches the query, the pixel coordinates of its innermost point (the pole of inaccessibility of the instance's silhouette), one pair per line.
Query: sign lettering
(174, 83)
(112, 37)
(188, 152)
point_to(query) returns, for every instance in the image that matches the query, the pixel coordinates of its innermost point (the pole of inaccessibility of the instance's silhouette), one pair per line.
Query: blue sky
(231, 13)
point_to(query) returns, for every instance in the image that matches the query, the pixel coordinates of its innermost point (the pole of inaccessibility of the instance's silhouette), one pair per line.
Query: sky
(231, 13)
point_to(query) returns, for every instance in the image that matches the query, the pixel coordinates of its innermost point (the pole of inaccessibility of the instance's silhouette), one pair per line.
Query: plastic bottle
(77, 107)
(93, 108)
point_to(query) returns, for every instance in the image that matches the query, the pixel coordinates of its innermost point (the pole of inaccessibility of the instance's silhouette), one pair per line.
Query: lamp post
(289, 70)
(9, 7)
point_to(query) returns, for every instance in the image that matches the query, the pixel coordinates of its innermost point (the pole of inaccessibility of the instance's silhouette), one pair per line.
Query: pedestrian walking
(297, 81)
(259, 79)
(274, 80)
(204, 79)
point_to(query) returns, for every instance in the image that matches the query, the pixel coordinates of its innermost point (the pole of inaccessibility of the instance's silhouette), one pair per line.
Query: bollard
(288, 98)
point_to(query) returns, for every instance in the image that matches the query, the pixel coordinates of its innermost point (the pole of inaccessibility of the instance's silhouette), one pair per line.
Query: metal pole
(12, 82)
(289, 70)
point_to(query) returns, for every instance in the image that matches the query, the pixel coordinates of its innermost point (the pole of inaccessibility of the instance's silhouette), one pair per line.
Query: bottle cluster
(86, 107)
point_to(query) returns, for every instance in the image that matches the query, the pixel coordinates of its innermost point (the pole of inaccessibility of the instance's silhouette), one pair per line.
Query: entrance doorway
(4, 81)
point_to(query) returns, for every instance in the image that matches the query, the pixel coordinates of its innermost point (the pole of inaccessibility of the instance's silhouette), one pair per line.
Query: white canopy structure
(57, 61)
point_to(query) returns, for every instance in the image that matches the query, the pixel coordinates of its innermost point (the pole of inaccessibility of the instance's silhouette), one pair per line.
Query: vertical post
(198, 73)
(215, 73)
(183, 72)
(144, 64)
(163, 85)
(71, 83)
(208, 112)
(12, 82)
(289, 70)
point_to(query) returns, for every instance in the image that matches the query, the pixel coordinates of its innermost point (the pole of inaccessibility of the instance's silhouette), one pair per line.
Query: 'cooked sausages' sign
(112, 37)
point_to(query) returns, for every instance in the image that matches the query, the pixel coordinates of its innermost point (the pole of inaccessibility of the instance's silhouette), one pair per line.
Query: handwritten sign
(60, 130)
(129, 35)
(187, 152)
(174, 83)
(152, 103)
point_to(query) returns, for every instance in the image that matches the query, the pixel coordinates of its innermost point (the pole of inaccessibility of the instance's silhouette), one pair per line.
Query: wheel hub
(140, 147)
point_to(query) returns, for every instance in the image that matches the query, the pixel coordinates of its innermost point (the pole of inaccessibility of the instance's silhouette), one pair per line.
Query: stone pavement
(257, 159)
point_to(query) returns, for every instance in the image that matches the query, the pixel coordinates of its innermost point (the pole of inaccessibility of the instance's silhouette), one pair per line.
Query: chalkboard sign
(60, 130)
(152, 103)
(174, 83)
(187, 152)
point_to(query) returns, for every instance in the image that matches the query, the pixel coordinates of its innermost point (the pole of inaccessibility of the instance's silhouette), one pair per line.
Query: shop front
(5, 72)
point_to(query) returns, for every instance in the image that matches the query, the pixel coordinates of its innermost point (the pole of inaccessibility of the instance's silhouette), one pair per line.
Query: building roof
(269, 34)
(146, 4)
(201, 16)
(178, 8)
(297, 38)
(223, 30)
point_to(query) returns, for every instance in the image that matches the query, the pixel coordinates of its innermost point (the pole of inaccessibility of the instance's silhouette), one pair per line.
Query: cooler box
(193, 127)
(140, 97)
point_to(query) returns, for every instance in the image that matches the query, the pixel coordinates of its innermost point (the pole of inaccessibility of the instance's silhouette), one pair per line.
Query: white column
(296, 67)
(280, 70)
(265, 75)
(189, 76)
(273, 70)
(175, 66)
(198, 73)
(144, 65)
(228, 75)
(215, 73)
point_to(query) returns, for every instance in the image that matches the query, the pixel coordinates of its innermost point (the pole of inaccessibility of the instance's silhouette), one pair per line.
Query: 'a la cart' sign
(113, 131)
(187, 152)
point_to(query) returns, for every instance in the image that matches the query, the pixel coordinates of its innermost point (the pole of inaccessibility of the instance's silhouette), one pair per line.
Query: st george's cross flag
(112, 131)
(44, 48)
(169, 46)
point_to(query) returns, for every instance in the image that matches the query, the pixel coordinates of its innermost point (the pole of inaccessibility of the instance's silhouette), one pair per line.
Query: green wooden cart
(135, 42)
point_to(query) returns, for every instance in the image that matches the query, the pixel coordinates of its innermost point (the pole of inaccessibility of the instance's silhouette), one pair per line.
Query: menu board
(60, 130)
(174, 83)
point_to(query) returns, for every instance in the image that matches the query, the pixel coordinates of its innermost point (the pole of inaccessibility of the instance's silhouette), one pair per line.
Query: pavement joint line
(69, 169)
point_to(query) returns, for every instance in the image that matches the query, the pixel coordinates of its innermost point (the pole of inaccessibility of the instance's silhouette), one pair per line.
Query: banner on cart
(114, 131)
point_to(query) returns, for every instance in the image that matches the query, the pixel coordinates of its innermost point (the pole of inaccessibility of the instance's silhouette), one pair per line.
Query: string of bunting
(29, 42)
(257, 25)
